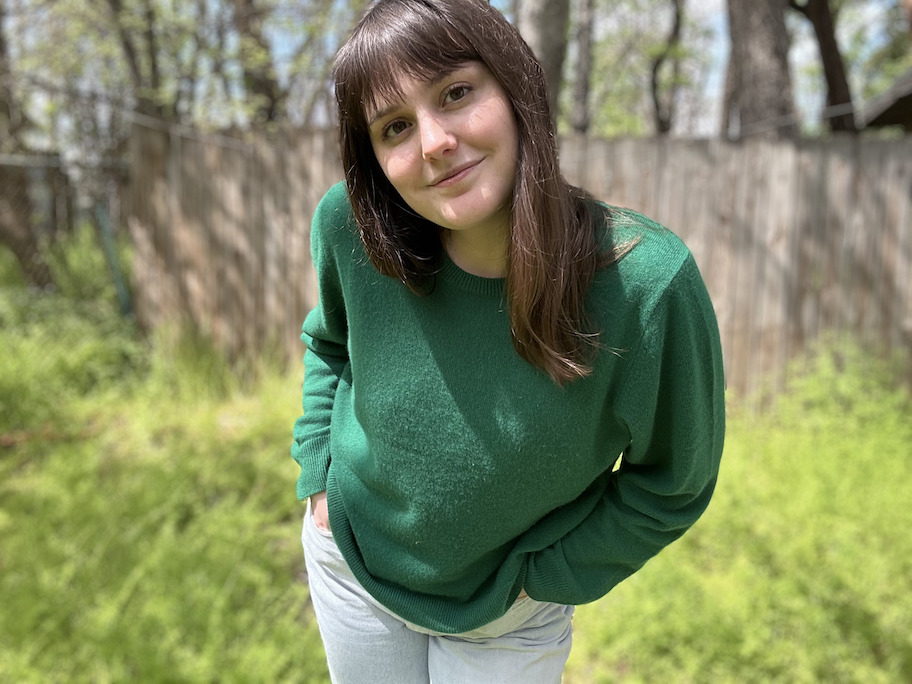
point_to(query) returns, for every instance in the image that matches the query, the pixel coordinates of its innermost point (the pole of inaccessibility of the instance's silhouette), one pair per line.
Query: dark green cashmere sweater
(457, 474)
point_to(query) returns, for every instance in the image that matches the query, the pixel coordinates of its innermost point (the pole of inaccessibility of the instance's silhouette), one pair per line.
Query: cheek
(498, 126)
(399, 170)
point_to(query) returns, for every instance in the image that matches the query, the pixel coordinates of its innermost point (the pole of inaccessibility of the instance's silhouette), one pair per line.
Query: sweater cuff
(551, 577)
(314, 458)
(546, 576)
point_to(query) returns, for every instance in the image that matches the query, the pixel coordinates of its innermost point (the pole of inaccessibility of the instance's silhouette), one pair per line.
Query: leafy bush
(62, 345)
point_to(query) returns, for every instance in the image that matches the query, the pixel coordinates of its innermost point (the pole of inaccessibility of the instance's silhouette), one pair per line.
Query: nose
(436, 137)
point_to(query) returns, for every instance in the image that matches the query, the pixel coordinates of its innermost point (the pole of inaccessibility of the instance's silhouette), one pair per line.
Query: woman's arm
(672, 401)
(325, 332)
(311, 447)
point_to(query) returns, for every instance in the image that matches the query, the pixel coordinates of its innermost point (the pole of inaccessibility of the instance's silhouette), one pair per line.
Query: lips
(454, 175)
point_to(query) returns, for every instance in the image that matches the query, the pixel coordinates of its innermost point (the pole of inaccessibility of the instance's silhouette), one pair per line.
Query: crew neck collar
(468, 282)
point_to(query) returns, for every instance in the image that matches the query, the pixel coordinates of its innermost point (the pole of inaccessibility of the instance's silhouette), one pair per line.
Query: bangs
(414, 42)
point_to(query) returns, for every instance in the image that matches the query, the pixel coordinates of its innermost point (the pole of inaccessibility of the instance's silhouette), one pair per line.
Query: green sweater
(457, 474)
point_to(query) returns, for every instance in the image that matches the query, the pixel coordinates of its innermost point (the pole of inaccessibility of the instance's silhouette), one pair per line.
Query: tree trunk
(543, 24)
(260, 79)
(579, 116)
(758, 92)
(15, 203)
(839, 96)
(13, 118)
(146, 95)
(15, 227)
(664, 110)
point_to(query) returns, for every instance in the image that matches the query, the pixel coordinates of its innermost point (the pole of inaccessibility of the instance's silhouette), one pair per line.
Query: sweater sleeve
(672, 402)
(325, 332)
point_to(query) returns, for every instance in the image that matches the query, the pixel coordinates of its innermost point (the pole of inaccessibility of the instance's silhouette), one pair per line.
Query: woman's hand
(319, 511)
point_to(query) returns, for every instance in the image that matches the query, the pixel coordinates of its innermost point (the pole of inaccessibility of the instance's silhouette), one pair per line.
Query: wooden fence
(793, 239)
(221, 233)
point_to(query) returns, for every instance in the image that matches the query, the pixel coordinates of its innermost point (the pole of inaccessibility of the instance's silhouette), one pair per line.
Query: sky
(714, 14)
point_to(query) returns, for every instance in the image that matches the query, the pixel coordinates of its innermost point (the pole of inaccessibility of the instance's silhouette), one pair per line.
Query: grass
(148, 523)
(149, 532)
(801, 569)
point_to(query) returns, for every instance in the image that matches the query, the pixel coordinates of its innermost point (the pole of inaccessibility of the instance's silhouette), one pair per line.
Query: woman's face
(450, 148)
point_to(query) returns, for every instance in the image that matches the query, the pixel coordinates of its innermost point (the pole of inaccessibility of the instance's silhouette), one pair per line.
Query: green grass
(158, 545)
(800, 570)
(148, 524)
(149, 532)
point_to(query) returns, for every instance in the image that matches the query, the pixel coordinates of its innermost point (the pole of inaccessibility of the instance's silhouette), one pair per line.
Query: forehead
(386, 68)
(398, 43)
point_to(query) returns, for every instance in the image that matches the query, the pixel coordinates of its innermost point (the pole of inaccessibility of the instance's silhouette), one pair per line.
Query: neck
(482, 255)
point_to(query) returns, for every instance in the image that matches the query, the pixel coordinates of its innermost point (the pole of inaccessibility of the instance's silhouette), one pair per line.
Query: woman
(513, 394)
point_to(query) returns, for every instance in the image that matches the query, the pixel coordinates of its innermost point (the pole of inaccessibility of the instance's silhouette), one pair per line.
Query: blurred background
(159, 166)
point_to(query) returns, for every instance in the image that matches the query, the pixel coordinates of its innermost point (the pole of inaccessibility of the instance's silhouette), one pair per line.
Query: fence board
(793, 239)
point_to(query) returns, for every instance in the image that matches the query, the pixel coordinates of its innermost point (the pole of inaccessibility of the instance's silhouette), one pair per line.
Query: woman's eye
(394, 128)
(456, 93)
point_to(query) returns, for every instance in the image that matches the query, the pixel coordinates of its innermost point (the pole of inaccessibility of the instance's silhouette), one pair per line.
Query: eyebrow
(386, 111)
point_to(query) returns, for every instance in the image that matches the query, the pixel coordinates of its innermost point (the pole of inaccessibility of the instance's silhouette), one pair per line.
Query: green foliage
(80, 66)
(628, 35)
(161, 546)
(801, 569)
(147, 513)
(10, 273)
(879, 51)
(60, 346)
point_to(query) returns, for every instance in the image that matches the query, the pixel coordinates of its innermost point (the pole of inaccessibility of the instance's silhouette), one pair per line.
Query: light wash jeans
(367, 644)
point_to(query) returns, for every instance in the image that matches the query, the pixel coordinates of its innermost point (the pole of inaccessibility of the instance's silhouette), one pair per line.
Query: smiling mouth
(455, 176)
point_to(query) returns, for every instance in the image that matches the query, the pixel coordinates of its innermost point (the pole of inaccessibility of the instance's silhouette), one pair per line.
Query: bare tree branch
(664, 111)
(822, 19)
(259, 71)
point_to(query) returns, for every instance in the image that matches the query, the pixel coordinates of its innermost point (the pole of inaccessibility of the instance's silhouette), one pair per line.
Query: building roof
(892, 108)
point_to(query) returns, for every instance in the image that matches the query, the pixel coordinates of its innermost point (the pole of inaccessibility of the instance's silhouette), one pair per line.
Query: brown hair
(554, 250)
